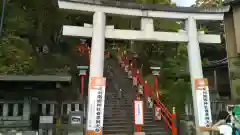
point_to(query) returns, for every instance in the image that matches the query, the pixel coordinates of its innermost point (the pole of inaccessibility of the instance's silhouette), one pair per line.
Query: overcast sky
(185, 3)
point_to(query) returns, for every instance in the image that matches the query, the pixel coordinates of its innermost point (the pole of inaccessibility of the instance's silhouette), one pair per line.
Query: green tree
(208, 3)
(16, 52)
(16, 56)
(29, 28)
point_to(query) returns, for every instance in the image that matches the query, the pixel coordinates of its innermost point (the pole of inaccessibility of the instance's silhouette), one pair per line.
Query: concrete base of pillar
(139, 133)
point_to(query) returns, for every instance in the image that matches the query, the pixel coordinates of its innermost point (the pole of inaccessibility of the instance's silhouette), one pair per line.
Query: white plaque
(138, 119)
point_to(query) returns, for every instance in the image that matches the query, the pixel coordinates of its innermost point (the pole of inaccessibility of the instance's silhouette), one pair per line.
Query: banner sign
(96, 106)
(203, 103)
(138, 113)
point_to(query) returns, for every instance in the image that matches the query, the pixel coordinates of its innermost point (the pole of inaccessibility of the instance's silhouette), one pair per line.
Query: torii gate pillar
(98, 45)
(97, 51)
(195, 65)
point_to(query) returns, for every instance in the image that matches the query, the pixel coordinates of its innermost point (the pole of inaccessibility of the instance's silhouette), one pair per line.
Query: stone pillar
(69, 107)
(5, 109)
(15, 110)
(26, 110)
(97, 50)
(44, 109)
(195, 64)
(76, 107)
(52, 109)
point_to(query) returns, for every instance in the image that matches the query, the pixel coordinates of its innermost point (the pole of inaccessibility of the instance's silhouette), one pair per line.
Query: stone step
(123, 98)
(110, 115)
(157, 133)
(125, 95)
(118, 134)
(118, 107)
(121, 104)
(147, 114)
(117, 119)
(150, 125)
(121, 101)
(154, 128)
(122, 109)
(123, 129)
(117, 126)
(115, 123)
(114, 99)
(146, 123)
(118, 103)
(114, 118)
(118, 111)
(128, 102)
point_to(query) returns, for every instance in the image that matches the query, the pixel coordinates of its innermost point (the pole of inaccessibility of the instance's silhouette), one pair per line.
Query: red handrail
(167, 117)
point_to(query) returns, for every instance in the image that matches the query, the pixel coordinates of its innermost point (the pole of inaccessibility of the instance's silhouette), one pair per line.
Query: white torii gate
(99, 31)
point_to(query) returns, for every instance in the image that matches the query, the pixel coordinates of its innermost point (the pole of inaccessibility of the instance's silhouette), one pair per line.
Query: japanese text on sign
(96, 105)
(203, 102)
(98, 110)
(206, 107)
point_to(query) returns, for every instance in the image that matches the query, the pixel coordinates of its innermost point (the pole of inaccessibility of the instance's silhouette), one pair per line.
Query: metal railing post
(174, 122)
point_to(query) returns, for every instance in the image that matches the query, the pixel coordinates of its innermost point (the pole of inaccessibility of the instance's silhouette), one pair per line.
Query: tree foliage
(208, 3)
(28, 43)
(15, 48)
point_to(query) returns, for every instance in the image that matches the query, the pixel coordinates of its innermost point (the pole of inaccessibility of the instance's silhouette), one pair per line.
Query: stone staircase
(118, 116)
(153, 127)
(117, 111)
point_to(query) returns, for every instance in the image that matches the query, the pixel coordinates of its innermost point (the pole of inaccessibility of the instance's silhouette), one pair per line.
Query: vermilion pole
(82, 85)
(146, 89)
(156, 83)
(174, 128)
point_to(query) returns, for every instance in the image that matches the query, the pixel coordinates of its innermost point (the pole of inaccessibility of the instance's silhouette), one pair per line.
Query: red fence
(154, 93)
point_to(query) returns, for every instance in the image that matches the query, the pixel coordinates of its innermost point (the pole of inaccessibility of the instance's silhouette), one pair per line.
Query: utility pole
(2, 16)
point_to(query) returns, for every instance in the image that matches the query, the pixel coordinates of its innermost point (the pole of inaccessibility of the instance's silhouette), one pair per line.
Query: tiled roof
(41, 78)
